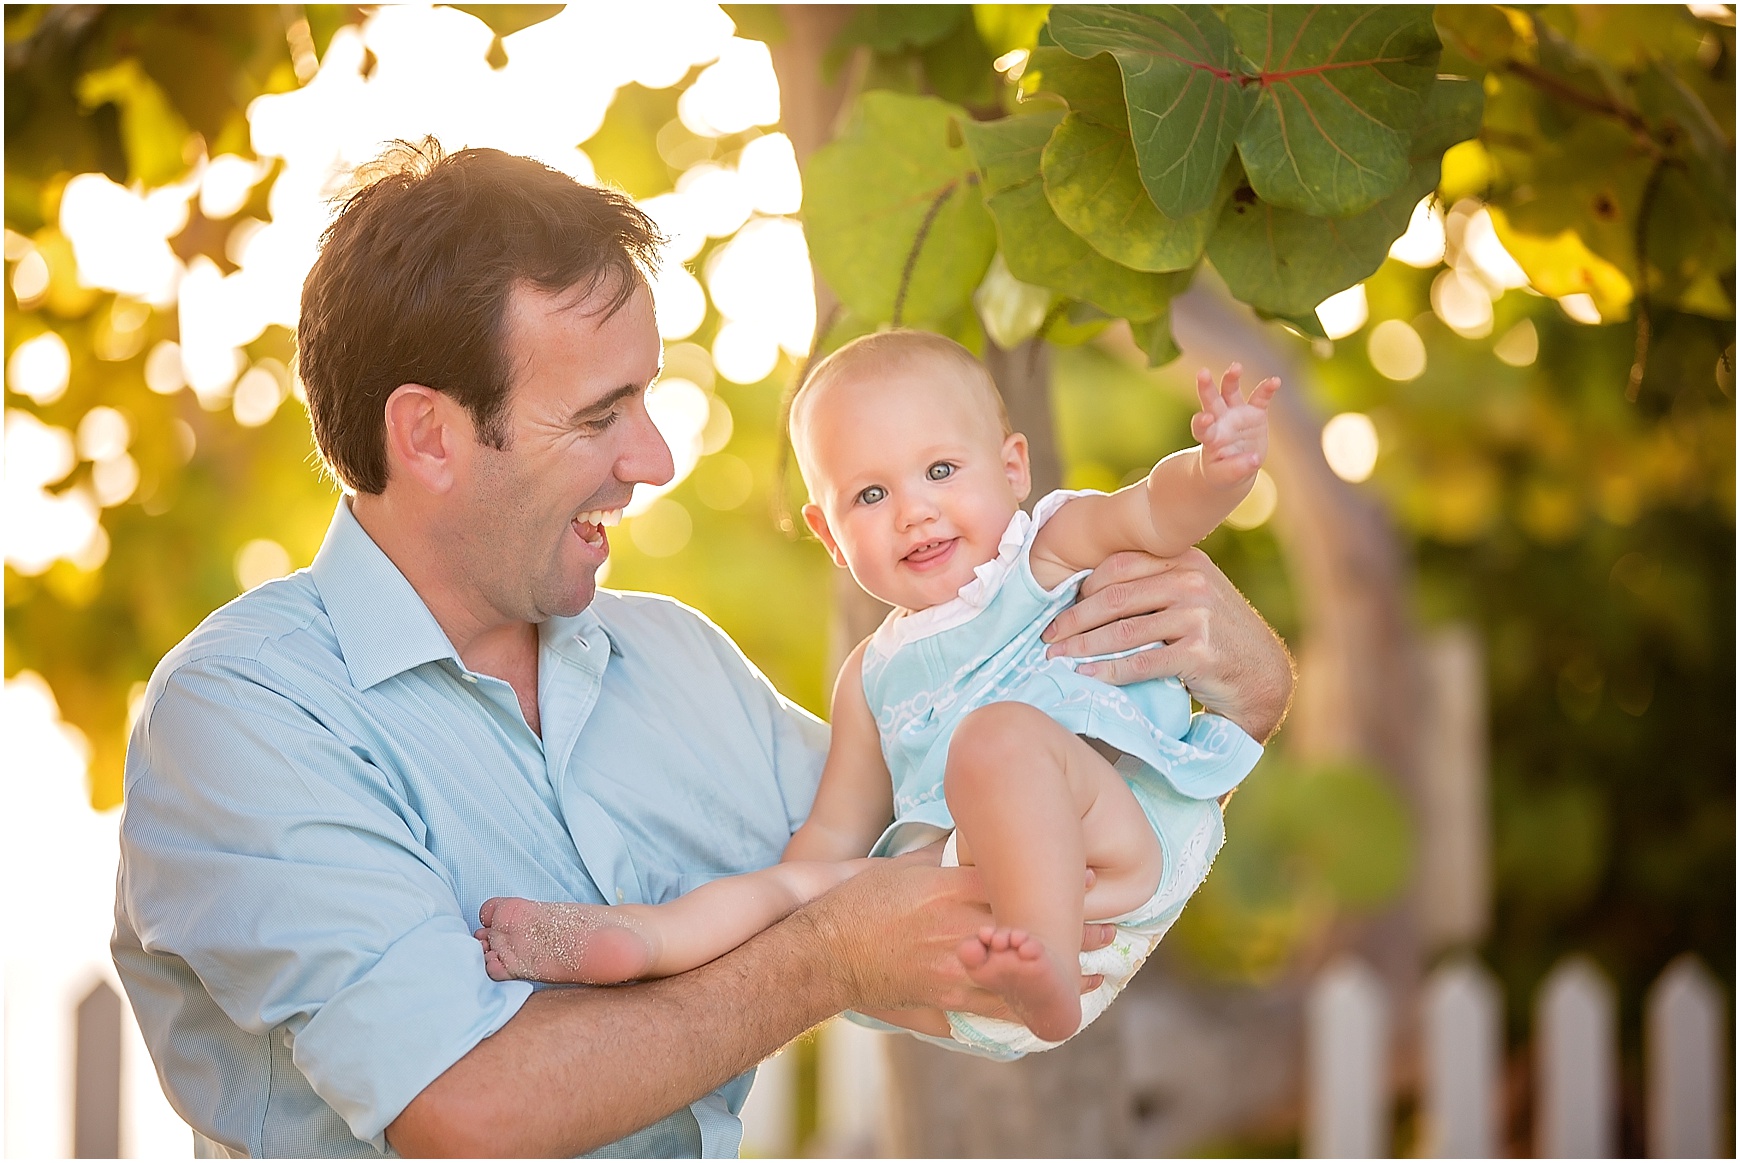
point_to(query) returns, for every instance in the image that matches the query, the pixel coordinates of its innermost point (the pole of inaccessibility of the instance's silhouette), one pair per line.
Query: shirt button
(471, 678)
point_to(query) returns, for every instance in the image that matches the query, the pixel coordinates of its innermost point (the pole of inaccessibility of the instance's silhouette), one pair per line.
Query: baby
(950, 721)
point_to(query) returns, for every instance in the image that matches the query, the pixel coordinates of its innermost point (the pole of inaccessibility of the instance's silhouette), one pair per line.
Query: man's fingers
(1097, 936)
(1160, 662)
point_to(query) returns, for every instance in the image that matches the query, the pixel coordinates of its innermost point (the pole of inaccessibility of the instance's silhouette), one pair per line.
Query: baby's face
(912, 481)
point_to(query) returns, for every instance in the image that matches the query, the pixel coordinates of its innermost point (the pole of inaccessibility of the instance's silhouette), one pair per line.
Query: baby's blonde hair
(886, 351)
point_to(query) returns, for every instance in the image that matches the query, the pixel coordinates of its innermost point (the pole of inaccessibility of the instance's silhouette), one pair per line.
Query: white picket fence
(1576, 1056)
(1349, 1068)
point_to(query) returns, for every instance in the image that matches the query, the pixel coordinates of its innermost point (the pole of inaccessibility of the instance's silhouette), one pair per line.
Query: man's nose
(645, 458)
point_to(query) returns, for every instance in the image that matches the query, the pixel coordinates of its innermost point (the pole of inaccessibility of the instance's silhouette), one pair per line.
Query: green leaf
(1008, 26)
(1093, 87)
(1285, 262)
(1183, 87)
(507, 19)
(757, 22)
(1451, 114)
(152, 132)
(893, 212)
(1155, 339)
(1092, 184)
(1038, 247)
(893, 28)
(1341, 92)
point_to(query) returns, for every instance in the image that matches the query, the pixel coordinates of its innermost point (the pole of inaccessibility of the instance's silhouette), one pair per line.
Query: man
(333, 772)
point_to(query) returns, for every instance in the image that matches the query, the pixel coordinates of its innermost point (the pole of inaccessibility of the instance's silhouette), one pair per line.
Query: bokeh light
(1258, 505)
(1581, 307)
(737, 91)
(1462, 303)
(1344, 312)
(1350, 445)
(40, 368)
(259, 561)
(1519, 346)
(1422, 244)
(1396, 350)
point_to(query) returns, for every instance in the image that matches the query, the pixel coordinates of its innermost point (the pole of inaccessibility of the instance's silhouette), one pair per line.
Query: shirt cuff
(374, 1045)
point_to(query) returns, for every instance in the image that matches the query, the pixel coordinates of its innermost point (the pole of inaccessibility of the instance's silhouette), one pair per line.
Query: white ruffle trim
(904, 626)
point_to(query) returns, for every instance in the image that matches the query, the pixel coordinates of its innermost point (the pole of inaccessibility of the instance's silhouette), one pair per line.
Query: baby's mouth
(591, 524)
(929, 552)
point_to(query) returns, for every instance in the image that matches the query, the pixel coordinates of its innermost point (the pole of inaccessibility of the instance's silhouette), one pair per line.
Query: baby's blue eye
(942, 470)
(872, 494)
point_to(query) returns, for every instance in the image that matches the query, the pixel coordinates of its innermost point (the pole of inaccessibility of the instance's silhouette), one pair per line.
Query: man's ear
(1016, 467)
(818, 523)
(426, 436)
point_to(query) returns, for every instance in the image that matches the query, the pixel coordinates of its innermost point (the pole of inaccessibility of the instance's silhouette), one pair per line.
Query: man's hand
(891, 935)
(1202, 630)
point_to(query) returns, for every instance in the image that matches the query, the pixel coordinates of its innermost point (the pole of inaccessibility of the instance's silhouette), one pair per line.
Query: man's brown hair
(413, 281)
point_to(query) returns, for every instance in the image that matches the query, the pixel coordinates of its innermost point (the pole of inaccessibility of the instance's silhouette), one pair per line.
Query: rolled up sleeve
(288, 872)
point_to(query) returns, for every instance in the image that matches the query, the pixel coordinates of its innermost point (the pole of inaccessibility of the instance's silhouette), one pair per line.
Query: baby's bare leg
(1033, 805)
(600, 945)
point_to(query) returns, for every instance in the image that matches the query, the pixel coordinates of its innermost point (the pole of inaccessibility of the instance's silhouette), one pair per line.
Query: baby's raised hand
(1233, 429)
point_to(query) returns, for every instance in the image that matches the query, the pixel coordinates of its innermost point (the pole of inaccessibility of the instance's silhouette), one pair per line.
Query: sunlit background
(157, 459)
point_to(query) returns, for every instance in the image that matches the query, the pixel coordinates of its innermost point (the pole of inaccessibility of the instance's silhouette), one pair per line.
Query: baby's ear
(818, 523)
(1016, 466)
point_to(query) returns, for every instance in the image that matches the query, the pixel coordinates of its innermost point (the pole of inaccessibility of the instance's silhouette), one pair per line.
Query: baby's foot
(560, 942)
(1016, 966)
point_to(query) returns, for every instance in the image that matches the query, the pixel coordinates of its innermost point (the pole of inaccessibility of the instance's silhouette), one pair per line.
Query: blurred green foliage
(1590, 539)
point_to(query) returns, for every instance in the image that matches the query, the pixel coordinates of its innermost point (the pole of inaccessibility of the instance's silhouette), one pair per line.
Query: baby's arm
(855, 801)
(601, 944)
(1182, 499)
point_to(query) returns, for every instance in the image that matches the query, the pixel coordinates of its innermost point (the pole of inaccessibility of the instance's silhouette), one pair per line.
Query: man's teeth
(601, 517)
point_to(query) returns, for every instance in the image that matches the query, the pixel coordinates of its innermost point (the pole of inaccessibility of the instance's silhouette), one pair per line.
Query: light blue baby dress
(925, 671)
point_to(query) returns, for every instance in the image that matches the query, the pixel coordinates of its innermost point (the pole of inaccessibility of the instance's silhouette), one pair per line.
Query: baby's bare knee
(996, 737)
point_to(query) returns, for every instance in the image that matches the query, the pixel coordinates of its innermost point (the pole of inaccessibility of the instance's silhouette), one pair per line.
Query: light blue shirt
(319, 795)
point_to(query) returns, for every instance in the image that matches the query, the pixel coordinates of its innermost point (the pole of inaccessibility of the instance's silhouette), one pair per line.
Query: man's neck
(486, 642)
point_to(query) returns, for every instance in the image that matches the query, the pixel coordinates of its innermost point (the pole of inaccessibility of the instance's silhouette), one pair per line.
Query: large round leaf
(1038, 247)
(895, 222)
(1093, 87)
(1285, 262)
(1092, 184)
(1184, 85)
(1341, 89)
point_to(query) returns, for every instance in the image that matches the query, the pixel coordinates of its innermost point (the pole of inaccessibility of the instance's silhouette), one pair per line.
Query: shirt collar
(383, 627)
(381, 622)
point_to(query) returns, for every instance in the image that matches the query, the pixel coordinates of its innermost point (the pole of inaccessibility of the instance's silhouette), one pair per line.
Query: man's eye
(872, 494)
(942, 470)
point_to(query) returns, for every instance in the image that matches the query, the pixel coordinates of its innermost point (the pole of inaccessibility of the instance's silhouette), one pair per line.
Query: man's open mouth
(591, 524)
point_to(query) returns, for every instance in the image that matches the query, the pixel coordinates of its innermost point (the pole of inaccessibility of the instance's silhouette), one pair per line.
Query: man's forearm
(578, 1068)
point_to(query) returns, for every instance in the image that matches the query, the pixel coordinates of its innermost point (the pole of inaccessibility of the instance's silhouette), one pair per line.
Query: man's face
(532, 513)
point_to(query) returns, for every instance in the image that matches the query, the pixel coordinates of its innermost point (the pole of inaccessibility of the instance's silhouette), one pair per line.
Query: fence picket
(1347, 1062)
(1463, 1061)
(1683, 1021)
(852, 1117)
(1576, 1115)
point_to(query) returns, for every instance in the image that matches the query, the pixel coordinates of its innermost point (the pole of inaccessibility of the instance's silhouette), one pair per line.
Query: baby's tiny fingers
(1205, 393)
(1264, 392)
(1229, 385)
